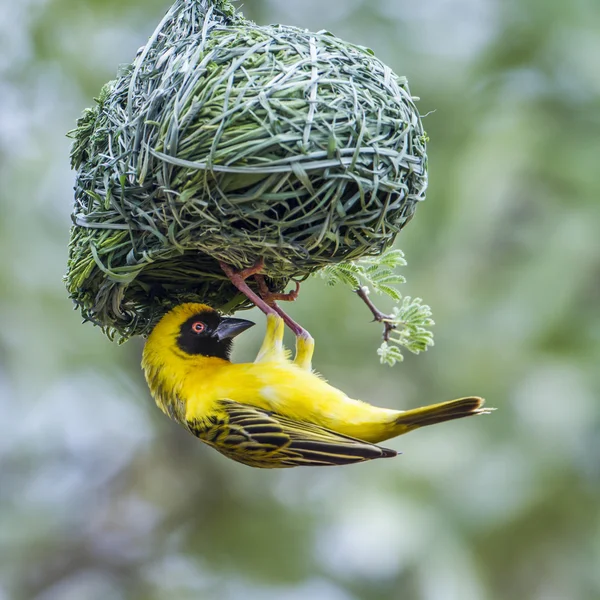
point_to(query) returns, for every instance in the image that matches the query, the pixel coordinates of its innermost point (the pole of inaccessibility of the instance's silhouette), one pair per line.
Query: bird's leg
(238, 278)
(305, 343)
(272, 346)
(305, 347)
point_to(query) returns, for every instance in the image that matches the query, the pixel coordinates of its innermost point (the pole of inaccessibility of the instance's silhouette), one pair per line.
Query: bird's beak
(229, 328)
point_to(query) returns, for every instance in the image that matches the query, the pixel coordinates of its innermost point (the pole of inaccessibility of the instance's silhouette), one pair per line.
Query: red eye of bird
(198, 327)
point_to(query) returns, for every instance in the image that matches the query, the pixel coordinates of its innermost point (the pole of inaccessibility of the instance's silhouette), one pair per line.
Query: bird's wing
(260, 438)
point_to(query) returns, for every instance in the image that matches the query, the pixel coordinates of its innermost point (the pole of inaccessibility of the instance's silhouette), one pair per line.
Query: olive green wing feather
(264, 439)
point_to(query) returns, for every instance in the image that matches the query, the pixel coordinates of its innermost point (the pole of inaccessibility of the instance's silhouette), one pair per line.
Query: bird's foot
(268, 303)
(271, 297)
(243, 274)
(238, 278)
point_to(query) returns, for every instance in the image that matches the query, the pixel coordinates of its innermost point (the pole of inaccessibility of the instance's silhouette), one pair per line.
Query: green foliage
(407, 325)
(411, 321)
(376, 272)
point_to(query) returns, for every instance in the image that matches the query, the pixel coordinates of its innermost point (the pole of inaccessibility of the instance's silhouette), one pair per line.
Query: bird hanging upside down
(274, 412)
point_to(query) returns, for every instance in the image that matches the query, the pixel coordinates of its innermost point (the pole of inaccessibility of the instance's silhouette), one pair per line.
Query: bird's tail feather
(438, 413)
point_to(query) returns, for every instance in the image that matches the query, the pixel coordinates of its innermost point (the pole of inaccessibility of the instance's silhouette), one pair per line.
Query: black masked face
(209, 334)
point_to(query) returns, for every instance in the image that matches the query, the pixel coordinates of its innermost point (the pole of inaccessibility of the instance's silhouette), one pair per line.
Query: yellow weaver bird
(273, 412)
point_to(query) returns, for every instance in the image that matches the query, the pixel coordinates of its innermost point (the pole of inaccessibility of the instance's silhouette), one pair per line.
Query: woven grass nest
(229, 141)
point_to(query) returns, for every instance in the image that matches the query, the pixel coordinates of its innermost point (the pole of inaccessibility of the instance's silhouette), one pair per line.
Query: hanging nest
(225, 140)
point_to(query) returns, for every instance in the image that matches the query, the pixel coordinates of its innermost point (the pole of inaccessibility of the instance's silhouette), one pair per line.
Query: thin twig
(388, 326)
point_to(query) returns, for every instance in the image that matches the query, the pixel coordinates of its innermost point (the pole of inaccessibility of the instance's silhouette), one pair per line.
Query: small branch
(363, 293)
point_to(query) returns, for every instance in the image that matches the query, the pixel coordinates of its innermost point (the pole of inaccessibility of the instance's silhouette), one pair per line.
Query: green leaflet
(410, 317)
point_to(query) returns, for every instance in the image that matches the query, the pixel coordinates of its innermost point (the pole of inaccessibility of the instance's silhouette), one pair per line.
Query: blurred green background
(103, 498)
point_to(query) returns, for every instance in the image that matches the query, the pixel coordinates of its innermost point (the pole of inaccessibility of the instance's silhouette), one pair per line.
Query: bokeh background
(103, 498)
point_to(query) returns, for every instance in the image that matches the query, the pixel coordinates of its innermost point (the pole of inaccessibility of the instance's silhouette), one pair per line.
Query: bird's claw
(267, 300)
(271, 297)
(243, 274)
